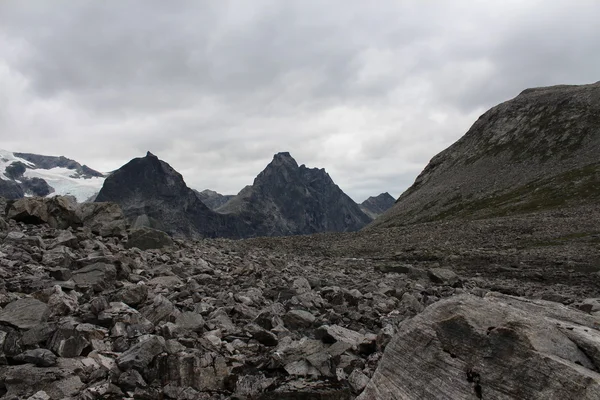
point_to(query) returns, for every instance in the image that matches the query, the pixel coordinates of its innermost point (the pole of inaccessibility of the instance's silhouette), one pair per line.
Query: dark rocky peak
(212, 199)
(382, 198)
(153, 194)
(284, 156)
(284, 171)
(144, 177)
(287, 199)
(315, 175)
(377, 205)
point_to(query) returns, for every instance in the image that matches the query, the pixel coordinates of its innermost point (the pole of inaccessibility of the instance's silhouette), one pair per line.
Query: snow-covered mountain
(24, 174)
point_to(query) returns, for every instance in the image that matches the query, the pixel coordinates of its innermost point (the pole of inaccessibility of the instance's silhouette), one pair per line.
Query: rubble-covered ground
(84, 316)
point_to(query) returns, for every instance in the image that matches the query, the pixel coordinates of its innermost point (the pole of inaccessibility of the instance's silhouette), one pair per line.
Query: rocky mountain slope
(212, 199)
(537, 151)
(151, 193)
(287, 199)
(374, 206)
(24, 174)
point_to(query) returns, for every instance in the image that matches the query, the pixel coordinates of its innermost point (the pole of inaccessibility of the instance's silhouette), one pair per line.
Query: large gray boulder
(148, 238)
(104, 219)
(496, 347)
(98, 276)
(25, 313)
(58, 212)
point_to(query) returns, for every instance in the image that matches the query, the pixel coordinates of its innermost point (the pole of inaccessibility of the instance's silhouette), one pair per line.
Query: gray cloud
(370, 93)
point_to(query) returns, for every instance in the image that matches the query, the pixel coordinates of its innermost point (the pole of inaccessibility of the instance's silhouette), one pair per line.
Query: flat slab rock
(25, 313)
(496, 347)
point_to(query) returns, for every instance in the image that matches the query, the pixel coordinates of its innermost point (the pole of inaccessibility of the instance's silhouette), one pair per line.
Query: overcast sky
(368, 90)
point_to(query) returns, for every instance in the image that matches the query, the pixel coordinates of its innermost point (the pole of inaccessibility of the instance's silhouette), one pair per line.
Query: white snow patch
(64, 184)
(61, 179)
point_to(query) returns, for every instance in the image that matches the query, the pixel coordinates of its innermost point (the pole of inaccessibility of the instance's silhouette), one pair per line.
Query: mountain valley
(481, 281)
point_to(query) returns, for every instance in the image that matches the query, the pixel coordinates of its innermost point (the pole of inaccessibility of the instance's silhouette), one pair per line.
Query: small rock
(443, 276)
(190, 321)
(261, 335)
(38, 357)
(358, 381)
(141, 354)
(297, 319)
(148, 238)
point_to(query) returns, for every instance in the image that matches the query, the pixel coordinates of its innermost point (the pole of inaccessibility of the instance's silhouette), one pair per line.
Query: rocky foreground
(91, 310)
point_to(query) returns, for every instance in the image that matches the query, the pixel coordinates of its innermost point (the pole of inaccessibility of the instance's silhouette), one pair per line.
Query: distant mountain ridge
(537, 151)
(285, 199)
(374, 206)
(212, 199)
(26, 174)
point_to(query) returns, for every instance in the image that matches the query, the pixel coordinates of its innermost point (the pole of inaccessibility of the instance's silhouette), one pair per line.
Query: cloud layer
(369, 91)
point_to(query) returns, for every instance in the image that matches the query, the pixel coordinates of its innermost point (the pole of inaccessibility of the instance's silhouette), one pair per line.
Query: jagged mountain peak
(152, 193)
(374, 206)
(284, 170)
(290, 199)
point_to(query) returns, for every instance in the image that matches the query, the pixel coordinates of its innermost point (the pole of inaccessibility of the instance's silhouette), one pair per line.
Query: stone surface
(493, 347)
(141, 354)
(98, 276)
(148, 238)
(38, 357)
(25, 313)
(242, 291)
(103, 218)
(443, 276)
(295, 319)
(58, 212)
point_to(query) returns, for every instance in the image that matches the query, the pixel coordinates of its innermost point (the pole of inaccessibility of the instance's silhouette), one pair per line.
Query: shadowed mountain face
(537, 151)
(287, 199)
(374, 206)
(212, 199)
(151, 193)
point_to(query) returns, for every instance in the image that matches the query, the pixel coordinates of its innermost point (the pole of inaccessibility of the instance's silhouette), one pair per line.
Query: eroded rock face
(496, 347)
